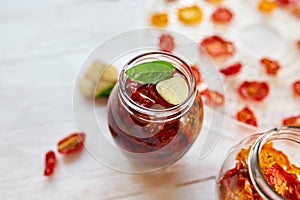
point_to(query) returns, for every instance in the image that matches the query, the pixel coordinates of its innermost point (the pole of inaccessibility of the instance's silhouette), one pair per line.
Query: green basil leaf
(151, 72)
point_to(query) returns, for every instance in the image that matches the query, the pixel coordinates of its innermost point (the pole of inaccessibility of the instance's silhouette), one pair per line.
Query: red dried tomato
(291, 121)
(213, 97)
(283, 2)
(222, 15)
(197, 74)
(247, 116)
(298, 44)
(166, 43)
(271, 66)
(72, 143)
(232, 69)
(296, 88)
(216, 46)
(50, 163)
(253, 90)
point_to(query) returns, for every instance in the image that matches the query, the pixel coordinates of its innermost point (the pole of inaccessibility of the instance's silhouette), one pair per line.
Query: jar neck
(290, 133)
(165, 114)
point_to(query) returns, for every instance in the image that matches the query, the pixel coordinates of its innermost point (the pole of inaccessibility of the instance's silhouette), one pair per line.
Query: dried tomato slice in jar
(232, 69)
(247, 116)
(222, 15)
(213, 97)
(253, 90)
(296, 88)
(291, 121)
(197, 74)
(216, 46)
(271, 66)
(72, 143)
(166, 43)
(190, 15)
(50, 163)
(159, 19)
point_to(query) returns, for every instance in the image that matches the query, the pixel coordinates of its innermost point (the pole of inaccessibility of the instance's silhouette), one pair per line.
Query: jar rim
(181, 108)
(256, 174)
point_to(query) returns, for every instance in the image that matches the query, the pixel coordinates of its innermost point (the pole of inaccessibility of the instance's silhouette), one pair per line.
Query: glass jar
(155, 135)
(263, 166)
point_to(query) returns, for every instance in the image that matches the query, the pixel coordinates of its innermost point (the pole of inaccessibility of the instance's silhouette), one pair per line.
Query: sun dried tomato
(292, 121)
(296, 88)
(190, 15)
(232, 69)
(50, 163)
(214, 1)
(285, 184)
(72, 143)
(216, 46)
(283, 3)
(267, 6)
(298, 44)
(197, 74)
(253, 90)
(271, 66)
(222, 15)
(166, 43)
(155, 95)
(247, 116)
(159, 19)
(213, 97)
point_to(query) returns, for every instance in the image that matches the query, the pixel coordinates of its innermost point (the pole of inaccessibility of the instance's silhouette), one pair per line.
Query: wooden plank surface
(42, 46)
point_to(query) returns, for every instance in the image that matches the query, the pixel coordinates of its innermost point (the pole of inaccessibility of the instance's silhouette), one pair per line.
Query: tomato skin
(222, 15)
(291, 121)
(72, 143)
(213, 97)
(232, 69)
(160, 19)
(197, 74)
(50, 163)
(166, 43)
(247, 116)
(216, 46)
(271, 66)
(253, 90)
(296, 88)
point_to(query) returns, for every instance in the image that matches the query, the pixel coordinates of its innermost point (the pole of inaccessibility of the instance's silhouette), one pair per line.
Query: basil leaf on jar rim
(151, 72)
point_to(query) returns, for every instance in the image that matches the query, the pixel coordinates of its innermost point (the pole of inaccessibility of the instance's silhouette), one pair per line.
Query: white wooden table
(42, 46)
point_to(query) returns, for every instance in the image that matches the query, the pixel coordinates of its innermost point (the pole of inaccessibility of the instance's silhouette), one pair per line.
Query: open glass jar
(141, 123)
(263, 166)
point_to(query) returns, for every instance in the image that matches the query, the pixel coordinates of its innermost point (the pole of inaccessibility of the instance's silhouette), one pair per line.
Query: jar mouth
(159, 113)
(287, 133)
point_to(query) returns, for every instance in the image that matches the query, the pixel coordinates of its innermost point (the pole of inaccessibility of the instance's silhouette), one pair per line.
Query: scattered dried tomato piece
(190, 15)
(267, 6)
(298, 44)
(160, 19)
(283, 3)
(253, 90)
(72, 143)
(214, 1)
(197, 74)
(166, 43)
(216, 46)
(291, 121)
(222, 15)
(247, 116)
(296, 88)
(296, 11)
(271, 66)
(213, 97)
(50, 163)
(232, 69)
